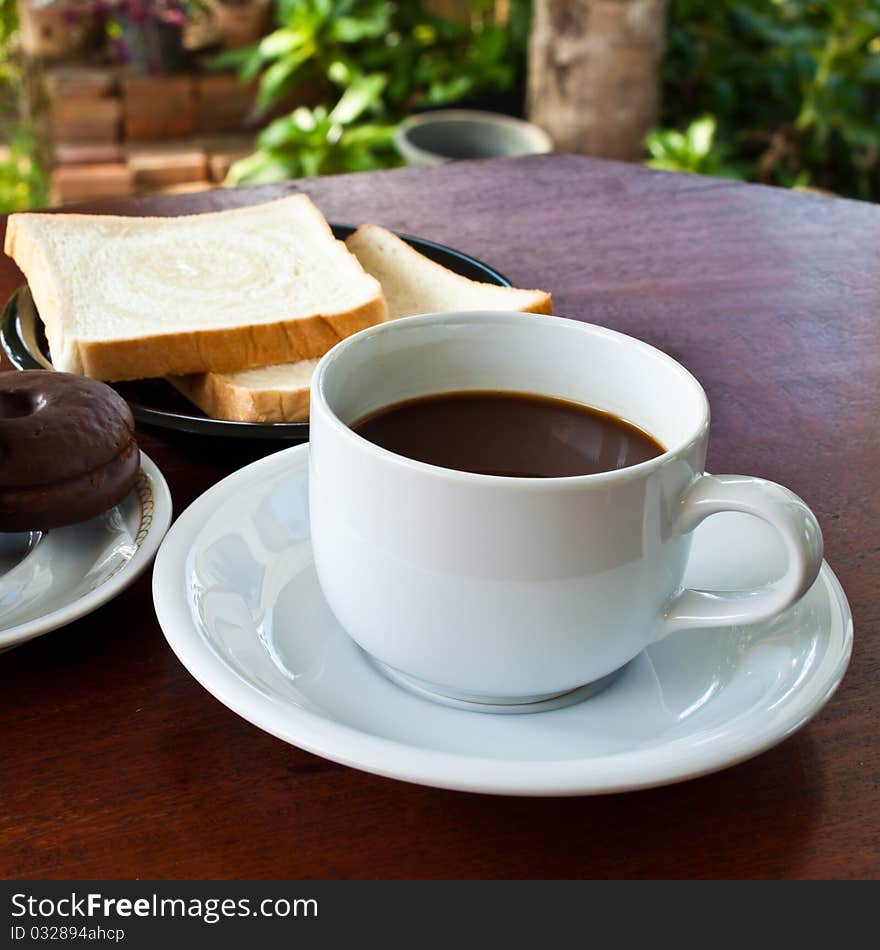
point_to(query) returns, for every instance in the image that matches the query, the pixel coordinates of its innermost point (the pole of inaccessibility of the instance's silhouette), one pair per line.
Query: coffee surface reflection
(508, 433)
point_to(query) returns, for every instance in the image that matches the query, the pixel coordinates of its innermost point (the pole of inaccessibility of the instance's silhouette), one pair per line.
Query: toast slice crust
(412, 284)
(277, 393)
(129, 298)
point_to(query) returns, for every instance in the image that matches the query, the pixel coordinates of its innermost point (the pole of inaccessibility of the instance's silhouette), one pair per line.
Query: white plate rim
(619, 772)
(160, 520)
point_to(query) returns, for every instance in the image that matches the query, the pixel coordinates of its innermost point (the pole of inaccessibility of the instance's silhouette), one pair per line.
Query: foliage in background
(792, 85)
(694, 150)
(8, 67)
(369, 62)
(22, 180)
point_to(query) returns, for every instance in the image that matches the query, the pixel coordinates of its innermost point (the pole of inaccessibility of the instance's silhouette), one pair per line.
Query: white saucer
(52, 579)
(238, 599)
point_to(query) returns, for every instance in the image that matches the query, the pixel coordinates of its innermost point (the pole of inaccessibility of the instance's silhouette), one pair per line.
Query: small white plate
(52, 579)
(237, 596)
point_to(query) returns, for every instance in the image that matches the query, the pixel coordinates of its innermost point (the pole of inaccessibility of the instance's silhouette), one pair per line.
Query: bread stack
(234, 307)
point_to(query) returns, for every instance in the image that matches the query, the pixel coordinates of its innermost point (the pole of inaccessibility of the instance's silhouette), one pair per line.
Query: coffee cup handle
(779, 507)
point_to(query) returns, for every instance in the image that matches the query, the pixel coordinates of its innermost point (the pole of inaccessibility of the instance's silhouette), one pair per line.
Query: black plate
(157, 403)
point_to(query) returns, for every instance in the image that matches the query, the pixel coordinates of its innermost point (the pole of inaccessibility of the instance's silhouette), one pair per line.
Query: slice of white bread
(411, 282)
(278, 393)
(128, 298)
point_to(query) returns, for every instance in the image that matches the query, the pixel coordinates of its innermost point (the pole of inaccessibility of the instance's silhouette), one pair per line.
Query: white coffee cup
(510, 591)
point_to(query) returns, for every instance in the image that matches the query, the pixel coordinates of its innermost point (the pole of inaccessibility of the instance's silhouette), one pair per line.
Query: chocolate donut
(67, 449)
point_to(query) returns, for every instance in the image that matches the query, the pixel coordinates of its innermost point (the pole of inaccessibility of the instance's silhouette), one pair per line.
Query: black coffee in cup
(508, 433)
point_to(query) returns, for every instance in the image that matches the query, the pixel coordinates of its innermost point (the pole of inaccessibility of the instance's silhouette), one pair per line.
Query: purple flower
(174, 17)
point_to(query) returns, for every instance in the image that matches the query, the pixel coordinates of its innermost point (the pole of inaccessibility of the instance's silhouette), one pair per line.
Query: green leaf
(490, 43)
(282, 42)
(281, 132)
(308, 119)
(666, 164)
(665, 142)
(235, 58)
(261, 168)
(339, 72)
(359, 160)
(279, 77)
(802, 180)
(363, 93)
(700, 135)
(442, 92)
(323, 8)
(350, 29)
(425, 34)
(251, 67)
(859, 134)
(310, 163)
(368, 135)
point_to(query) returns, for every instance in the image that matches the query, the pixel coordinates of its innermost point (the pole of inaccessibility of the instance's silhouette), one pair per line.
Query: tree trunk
(594, 73)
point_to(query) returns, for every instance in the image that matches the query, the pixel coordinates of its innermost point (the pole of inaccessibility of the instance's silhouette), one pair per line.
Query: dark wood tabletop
(117, 764)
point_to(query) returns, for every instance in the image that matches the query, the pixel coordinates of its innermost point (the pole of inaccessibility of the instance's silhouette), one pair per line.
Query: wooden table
(115, 763)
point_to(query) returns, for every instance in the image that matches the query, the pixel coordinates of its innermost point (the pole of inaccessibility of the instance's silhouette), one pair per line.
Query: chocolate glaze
(67, 449)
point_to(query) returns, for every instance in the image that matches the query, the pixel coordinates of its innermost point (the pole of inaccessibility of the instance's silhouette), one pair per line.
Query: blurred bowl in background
(446, 135)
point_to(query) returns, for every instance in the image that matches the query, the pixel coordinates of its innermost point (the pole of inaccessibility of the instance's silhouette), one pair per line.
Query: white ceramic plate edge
(114, 585)
(628, 771)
